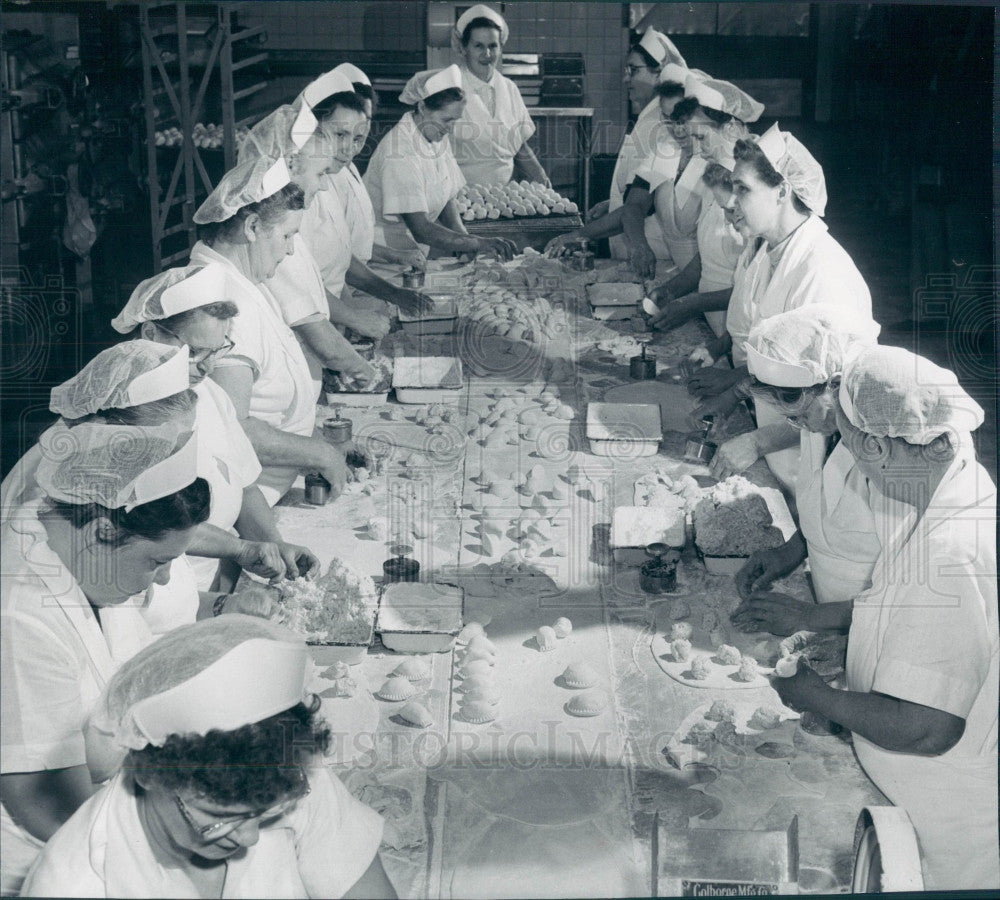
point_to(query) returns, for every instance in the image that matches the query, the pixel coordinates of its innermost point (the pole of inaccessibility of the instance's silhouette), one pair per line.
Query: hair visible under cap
(224, 310)
(716, 175)
(270, 209)
(156, 412)
(747, 151)
(176, 512)
(683, 111)
(342, 100)
(441, 99)
(647, 57)
(669, 89)
(480, 22)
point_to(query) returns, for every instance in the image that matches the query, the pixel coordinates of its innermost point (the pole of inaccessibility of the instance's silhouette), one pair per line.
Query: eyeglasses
(632, 71)
(201, 354)
(218, 830)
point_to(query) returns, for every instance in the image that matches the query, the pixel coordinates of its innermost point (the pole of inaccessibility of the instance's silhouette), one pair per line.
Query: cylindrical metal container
(400, 568)
(317, 490)
(642, 368)
(413, 278)
(337, 430)
(697, 449)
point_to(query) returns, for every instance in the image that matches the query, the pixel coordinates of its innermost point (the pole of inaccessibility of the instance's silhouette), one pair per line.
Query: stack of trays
(427, 379)
(614, 300)
(624, 430)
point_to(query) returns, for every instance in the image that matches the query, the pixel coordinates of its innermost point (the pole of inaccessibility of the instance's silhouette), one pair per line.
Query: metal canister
(317, 490)
(413, 278)
(400, 568)
(659, 574)
(697, 447)
(642, 367)
(582, 259)
(338, 430)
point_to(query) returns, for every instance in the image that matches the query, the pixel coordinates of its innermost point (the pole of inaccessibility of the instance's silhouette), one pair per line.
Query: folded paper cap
(790, 159)
(333, 82)
(116, 466)
(890, 392)
(432, 81)
(660, 47)
(481, 11)
(171, 292)
(283, 133)
(808, 345)
(125, 375)
(723, 96)
(249, 181)
(216, 674)
(676, 74)
(353, 74)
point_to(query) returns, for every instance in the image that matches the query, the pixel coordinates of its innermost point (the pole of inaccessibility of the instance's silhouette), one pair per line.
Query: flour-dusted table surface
(540, 802)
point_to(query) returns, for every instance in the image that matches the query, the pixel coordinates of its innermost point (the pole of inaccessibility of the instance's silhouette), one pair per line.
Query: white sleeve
(403, 189)
(297, 287)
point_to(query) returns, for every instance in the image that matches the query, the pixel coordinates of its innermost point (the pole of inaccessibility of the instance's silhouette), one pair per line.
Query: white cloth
(493, 127)
(358, 210)
(409, 174)
(326, 233)
(834, 500)
(319, 849)
(284, 392)
(677, 202)
(719, 246)
(926, 632)
(54, 662)
(739, 313)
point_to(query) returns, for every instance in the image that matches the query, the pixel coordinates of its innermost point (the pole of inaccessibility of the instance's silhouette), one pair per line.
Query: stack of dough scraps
(517, 198)
(732, 519)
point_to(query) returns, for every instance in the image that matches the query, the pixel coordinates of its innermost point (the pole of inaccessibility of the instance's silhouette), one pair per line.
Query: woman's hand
(299, 561)
(734, 456)
(717, 407)
(765, 567)
(775, 613)
(413, 303)
(333, 468)
(711, 381)
(370, 324)
(358, 373)
(598, 210)
(672, 314)
(502, 248)
(642, 261)
(262, 558)
(415, 259)
(802, 691)
(563, 244)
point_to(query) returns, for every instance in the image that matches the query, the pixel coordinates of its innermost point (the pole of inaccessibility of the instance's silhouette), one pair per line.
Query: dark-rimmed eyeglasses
(201, 354)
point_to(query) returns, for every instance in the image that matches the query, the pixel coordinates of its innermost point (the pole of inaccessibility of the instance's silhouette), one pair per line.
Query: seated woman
(190, 307)
(119, 504)
(922, 646)
(795, 360)
(491, 139)
(412, 177)
(223, 790)
(247, 225)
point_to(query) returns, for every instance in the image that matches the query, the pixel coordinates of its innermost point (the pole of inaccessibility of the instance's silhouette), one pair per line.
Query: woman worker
(922, 646)
(413, 178)
(779, 194)
(223, 790)
(119, 504)
(247, 225)
(490, 140)
(796, 359)
(190, 307)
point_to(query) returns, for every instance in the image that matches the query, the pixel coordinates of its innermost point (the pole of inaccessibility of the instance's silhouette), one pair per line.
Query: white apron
(327, 235)
(719, 246)
(493, 127)
(358, 210)
(926, 632)
(636, 146)
(836, 519)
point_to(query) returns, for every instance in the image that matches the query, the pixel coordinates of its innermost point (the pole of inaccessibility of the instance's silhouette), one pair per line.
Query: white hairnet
(660, 47)
(182, 655)
(128, 374)
(713, 93)
(353, 74)
(796, 165)
(247, 182)
(890, 392)
(808, 345)
(431, 81)
(116, 466)
(479, 11)
(171, 292)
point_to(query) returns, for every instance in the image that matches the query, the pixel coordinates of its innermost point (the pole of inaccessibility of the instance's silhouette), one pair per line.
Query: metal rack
(214, 67)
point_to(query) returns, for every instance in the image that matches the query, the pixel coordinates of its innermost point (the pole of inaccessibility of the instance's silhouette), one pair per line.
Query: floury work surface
(524, 784)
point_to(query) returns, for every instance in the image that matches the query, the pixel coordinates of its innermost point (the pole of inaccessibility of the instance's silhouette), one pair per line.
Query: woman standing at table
(413, 178)
(490, 140)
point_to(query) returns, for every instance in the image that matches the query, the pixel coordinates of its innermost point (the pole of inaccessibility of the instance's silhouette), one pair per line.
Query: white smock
(319, 849)
(284, 392)
(719, 246)
(54, 661)
(636, 146)
(326, 234)
(493, 127)
(808, 267)
(672, 231)
(409, 174)
(834, 500)
(738, 315)
(926, 632)
(358, 210)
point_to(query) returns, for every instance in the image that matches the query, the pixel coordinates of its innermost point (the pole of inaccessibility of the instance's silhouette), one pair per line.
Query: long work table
(540, 802)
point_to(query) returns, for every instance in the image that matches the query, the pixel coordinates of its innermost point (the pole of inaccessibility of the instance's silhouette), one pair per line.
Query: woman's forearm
(685, 282)
(328, 345)
(41, 801)
(256, 519)
(634, 212)
(527, 165)
(439, 237)
(275, 447)
(214, 543)
(831, 616)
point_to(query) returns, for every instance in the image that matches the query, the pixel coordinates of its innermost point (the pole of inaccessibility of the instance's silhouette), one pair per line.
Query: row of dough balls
(207, 137)
(518, 198)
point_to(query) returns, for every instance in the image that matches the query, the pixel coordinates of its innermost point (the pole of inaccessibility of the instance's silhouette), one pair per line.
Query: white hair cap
(249, 181)
(723, 96)
(660, 47)
(890, 392)
(353, 74)
(432, 81)
(128, 374)
(328, 84)
(482, 11)
(220, 673)
(171, 292)
(790, 159)
(808, 345)
(116, 466)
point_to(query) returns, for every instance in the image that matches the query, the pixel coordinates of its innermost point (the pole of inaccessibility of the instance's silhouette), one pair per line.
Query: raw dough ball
(562, 627)
(680, 630)
(546, 638)
(728, 656)
(765, 717)
(700, 667)
(748, 669)
(681, 649)
(721, 711)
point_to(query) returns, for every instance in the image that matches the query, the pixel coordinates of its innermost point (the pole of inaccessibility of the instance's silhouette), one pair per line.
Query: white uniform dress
(409, 174)
(326, 234)
(319, 849)
(54, 662)
(492, 129)
(835, 501)
(808, 267)
(358, 210)
(636, 146)
(284, 391)
(926, 632)
(719, 246)
(672, 232)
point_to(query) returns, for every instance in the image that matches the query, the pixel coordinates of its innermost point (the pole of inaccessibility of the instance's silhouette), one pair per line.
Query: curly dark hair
(442, 98)
(478, 22)
(670, 89)
(747, 151)
(258, 764)
(366, 92)
(270, 210)
(343, 100)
